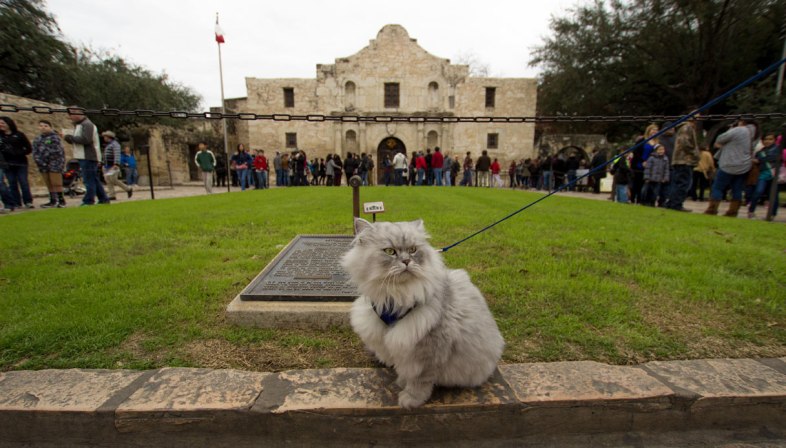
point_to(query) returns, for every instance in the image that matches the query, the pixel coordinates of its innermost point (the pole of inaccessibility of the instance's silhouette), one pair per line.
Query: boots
(734, 207)
(712, 209)
(61, 200)
(52, 201)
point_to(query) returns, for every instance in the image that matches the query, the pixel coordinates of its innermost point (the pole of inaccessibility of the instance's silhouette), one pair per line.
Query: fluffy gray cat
(428, 322)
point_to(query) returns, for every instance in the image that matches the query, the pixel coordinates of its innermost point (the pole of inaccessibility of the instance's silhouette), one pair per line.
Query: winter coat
(15, 148)
(87, 145)
(48, 153)
(735, 152)
(656, 168)
(686, 146)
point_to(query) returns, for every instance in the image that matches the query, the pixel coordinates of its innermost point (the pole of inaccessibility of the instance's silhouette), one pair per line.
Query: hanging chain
(144, 113)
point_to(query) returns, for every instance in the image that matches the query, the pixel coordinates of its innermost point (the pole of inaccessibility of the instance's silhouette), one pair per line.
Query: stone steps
(543, 404)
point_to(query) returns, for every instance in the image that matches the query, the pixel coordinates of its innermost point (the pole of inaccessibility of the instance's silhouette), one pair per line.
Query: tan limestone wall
(426, 83)
(27, 122)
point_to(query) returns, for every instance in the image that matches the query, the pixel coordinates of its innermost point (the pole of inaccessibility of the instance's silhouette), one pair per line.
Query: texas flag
(219, 34)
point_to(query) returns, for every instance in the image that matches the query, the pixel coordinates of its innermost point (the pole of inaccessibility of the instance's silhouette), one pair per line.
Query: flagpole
(223, 111)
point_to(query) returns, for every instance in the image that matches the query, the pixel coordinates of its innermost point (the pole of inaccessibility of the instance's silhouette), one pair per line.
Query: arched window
(349, 95)
(351, 142)
(433, 95)
(432, 139)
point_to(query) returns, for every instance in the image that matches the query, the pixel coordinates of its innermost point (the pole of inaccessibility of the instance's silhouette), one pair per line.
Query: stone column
(421, 137)
(337, 145)
(362, 143)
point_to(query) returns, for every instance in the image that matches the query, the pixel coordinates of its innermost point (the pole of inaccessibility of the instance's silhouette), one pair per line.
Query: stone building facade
(392, 76)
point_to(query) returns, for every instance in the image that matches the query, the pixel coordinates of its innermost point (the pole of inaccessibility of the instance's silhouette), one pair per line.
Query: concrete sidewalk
(739, 402)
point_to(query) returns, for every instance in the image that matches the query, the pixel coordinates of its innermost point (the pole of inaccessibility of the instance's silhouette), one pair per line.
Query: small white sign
(373, 207)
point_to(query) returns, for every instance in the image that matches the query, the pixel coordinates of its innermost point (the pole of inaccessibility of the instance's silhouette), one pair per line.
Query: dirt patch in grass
(698, 326)
(271, 356)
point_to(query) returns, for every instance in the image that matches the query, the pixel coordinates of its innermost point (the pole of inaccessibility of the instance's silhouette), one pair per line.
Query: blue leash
(683, 119)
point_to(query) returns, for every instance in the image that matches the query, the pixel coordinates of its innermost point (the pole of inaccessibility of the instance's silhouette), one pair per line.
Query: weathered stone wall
(27, 122)
(428, 85)
(580, 144)
(170, 148)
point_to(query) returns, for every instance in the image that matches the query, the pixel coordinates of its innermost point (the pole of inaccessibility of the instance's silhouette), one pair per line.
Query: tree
(648, 57)
(107, 81)
(34, 61)
(477, 68)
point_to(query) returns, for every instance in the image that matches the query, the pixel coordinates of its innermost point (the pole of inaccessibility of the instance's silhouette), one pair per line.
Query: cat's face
(389, 252)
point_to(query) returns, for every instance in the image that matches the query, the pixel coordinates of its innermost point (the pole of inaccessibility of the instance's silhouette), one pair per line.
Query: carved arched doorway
(389, 146)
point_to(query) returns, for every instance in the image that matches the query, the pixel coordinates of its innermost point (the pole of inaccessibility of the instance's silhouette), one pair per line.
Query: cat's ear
(361, 225)
(418, 223)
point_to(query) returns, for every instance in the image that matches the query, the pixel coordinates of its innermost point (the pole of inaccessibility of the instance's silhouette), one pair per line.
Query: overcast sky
(286, 39)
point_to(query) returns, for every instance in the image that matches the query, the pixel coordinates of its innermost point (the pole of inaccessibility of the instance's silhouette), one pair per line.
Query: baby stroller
(72, 179)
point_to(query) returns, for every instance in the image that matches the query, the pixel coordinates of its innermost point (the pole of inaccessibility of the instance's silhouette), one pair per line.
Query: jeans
(446, 177)
(681, 180)
(700, 184)
(399, 176)
(571, 179)
(17, 179)
(132, 176)
(653, 191)
(279, 176)
(364, 178)
(438, 176)
(760, 190)
(93, 187)
(261, 179)
(723, 180)
(5, 193)
(421, 175)
(622, 194)
(467, 179)
(242, 179)
(547, 185)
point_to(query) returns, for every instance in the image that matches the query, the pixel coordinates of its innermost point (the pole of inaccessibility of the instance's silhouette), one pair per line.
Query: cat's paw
(408, 401)
(401, 382)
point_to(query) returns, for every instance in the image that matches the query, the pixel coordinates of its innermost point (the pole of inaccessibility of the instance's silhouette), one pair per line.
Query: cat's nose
(406, 262)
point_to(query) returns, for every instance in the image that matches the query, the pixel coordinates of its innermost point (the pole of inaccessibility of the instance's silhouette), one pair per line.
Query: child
(622, 173)
(764, 158)
(656, 177)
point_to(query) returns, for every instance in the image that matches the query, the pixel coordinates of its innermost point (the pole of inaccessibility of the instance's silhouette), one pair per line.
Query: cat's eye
(389, 251)
(412, 250)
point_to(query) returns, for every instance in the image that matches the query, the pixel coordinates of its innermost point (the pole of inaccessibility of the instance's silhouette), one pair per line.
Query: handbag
(753, 175)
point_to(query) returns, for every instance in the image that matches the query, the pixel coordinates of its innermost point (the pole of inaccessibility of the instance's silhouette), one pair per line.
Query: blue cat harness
(387, 315)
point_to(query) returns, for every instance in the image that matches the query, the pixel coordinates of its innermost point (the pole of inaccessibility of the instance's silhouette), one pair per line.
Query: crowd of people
(291, 168)
(662, 171)
(677, 165)
(109, 163)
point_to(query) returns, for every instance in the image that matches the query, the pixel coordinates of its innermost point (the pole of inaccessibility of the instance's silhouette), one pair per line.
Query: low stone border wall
(357, 407)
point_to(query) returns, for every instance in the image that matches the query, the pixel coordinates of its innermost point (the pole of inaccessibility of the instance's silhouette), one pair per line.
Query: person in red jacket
(420, 166)
(260, 168)
(437, 160)
(496, 181)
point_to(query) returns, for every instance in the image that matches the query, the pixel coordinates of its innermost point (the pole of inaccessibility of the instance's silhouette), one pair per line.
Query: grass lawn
(145, 284)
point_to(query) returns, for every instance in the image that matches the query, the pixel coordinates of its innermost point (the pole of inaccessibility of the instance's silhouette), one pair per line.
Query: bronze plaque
(306, 270)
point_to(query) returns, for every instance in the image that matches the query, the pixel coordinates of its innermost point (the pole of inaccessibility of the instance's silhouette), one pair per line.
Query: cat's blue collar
(387, 315)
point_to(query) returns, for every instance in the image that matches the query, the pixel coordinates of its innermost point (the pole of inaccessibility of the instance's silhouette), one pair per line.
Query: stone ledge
(357, 407)
(307, 315)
